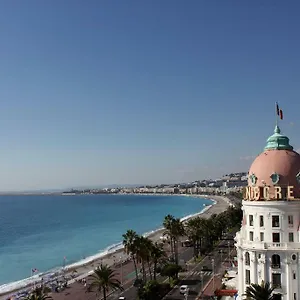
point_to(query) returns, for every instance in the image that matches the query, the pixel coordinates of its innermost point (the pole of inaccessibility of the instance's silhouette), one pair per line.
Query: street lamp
(121, 270)
(186, 294)
(229, 251)
(201, 274)
(213, 269)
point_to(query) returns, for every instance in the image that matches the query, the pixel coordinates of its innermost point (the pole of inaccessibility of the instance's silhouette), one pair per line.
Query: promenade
(125, 271)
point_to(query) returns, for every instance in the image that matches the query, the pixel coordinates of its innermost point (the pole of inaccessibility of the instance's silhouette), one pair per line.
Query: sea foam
(30, 281)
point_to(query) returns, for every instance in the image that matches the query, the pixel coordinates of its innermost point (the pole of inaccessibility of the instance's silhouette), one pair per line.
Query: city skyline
(162, 92)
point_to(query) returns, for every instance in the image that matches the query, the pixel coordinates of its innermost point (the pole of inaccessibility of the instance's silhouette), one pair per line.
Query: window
(276, 280)
(291, 221)
(261, 221)
(276, 237)
(253, 179)
(247, 276)
(251, 235)
(298, 177)
(295, 296)
(291, 237)
(275, 178)
(275, 261)
(261, 236)
(247, 259)
(275, 221)
(251, 220)
(294, 275)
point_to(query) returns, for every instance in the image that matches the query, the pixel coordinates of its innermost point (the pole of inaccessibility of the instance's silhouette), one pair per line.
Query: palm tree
(174, 229)
(167, 223)
(130, 247)
(157, 254)
(194, 234)
(177, 232)
(103, 280)
(40, 293)
(142, 253)
(261, 291)
(147, 247)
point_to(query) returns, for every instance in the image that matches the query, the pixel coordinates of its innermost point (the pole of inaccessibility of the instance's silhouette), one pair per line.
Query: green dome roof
(278, 141)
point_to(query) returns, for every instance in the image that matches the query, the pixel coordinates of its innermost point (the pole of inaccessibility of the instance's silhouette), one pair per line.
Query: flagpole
(276, 110)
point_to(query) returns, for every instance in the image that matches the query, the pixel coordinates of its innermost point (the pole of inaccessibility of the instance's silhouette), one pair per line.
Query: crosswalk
(198, 273)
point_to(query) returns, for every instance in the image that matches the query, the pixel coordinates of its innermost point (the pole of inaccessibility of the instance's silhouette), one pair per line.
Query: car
(205, 268)
(122, 298)
(183, 289)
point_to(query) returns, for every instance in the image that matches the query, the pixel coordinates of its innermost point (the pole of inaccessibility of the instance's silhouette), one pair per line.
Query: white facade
(268, 247)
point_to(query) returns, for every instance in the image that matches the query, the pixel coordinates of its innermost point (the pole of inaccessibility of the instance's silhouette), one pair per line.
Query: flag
(281, 114)
(279, 111)
(34, 270)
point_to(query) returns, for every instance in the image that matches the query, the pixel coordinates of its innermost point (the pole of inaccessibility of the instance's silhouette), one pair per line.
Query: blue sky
(114, 92)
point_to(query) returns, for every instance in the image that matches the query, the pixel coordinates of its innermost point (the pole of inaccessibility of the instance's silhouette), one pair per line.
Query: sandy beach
(76, 290)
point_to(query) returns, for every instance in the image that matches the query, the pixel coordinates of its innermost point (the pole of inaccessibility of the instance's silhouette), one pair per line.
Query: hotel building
(268, 244)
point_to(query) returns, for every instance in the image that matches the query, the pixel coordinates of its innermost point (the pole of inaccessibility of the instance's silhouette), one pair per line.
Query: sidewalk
(213, 284)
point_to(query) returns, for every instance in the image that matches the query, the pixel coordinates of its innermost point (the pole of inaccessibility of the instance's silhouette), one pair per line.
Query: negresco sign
(265, 193)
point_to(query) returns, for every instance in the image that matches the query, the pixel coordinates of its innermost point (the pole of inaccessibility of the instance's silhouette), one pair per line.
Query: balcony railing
(275, 266)
(276, 285)
(264, 246)
(275, 224)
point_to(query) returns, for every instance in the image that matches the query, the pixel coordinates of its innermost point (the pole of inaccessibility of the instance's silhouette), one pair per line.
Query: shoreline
(113, 254)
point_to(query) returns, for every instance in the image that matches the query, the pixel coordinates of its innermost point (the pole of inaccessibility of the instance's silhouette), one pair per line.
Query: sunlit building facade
(268, 244)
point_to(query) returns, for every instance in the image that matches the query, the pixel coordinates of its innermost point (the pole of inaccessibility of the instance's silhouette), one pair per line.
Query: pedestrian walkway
(199, 273)
(214, 284)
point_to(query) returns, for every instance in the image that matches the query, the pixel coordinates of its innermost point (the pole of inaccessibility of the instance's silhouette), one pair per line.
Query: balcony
(276, 285)
(275, 266)
(268, 246)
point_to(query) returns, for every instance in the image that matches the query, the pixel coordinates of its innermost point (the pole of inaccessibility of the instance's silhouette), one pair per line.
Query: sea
(47, 232)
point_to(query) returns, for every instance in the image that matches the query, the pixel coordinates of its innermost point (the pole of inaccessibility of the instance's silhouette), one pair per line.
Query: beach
(118, 257)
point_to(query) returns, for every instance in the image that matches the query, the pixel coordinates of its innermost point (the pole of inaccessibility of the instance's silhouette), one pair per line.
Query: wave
(55, 272)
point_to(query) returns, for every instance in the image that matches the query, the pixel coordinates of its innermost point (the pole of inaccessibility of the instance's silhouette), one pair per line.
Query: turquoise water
(39, 231)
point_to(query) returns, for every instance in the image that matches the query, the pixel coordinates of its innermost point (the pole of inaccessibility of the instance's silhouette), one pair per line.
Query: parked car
(205, 268)
(183, 289)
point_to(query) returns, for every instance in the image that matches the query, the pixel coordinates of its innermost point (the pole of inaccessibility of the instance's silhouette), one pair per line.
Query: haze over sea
(39, 231)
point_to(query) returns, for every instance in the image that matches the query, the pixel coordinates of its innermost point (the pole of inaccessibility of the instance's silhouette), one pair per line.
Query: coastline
(113, 254)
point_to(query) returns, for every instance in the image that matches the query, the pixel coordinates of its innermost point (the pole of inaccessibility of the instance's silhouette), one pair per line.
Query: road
(193, 279)
(194, 275)
(130, 292)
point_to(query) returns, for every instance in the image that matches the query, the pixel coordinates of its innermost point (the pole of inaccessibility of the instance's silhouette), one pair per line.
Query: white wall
(261, 251)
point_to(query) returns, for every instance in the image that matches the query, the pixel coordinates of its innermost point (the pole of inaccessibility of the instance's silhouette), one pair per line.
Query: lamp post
(221, 252)
(201, 274)
(186, 294)
(121, 270)
(213, 269)
(229, 251)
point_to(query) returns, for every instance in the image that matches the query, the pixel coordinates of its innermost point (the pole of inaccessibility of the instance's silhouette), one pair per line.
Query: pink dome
(285, 163)
(278, 165)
